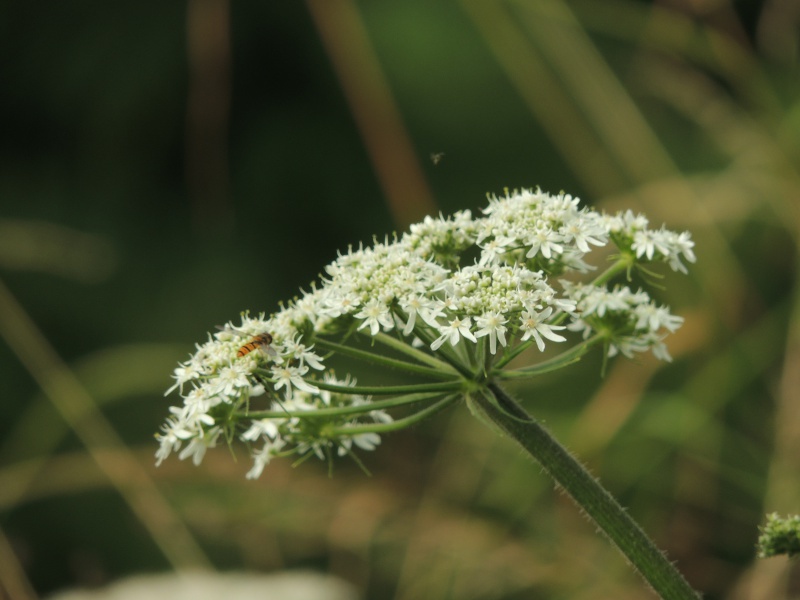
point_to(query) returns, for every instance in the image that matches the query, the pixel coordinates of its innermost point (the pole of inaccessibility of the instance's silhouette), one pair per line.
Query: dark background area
(164, 166)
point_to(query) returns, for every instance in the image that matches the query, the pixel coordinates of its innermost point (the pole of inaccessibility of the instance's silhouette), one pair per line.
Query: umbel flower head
(451, 302)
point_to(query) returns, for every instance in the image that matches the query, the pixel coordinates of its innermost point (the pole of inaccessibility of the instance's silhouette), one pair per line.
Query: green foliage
(779, 535)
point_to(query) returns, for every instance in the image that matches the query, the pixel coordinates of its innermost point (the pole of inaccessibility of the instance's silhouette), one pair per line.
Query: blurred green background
(166, 165)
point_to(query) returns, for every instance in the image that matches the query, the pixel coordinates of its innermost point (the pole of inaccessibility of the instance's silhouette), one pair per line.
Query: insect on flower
(259, 342)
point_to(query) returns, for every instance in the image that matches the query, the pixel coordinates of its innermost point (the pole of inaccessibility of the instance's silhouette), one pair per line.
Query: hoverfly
(260, 342)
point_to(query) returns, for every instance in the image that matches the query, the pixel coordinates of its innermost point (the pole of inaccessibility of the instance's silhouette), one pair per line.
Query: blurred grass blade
(80, 412)
(376, 114)
(108, 376)
(13, 582)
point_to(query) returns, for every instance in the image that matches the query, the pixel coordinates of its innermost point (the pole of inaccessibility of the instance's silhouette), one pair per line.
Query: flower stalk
(441, 371)
(586, 491)
(396, 402)
(559, 361)
(379, 390)
(399, 424)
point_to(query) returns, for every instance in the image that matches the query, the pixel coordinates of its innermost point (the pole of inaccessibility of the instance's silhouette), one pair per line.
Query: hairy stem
(586, 491)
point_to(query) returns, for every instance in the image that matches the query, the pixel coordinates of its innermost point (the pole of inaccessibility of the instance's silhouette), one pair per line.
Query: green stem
(587, 493)
(385, 361)
(340, 410)
(408, 350)
(400, 423)
(623, 263)
(453, 356)
(512, 353)
(567, 357)
(379, 390)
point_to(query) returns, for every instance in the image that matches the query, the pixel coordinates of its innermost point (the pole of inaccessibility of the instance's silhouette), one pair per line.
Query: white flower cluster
(222, 382)
(629, 229)
(632, 320)
(484, 280)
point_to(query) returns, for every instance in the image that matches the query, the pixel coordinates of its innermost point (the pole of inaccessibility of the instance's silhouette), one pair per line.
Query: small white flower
(183, 374)
(173, 432)
(645, 243)
(231, 379)
(627, 346)
(365, 441)
(544, 241)
(290, 378)
(380, 416)
(196, 405)
(533, 325)
(493, 325)
(652, 317)
(493, 250)
(668, 244)
(375, 314)
(266, 428)
(340, 302)
(684, 244)
(681, 246)
(303, 353)
(454, 331)
(599, 301)
(262, 457)
(583, 232)
(414, 305)
(197, 446)
(659, 350)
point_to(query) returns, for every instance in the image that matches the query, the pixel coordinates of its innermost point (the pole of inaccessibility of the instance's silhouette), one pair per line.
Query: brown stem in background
(376, 115)
(13, 581)
(208, 106)
(79, 410)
